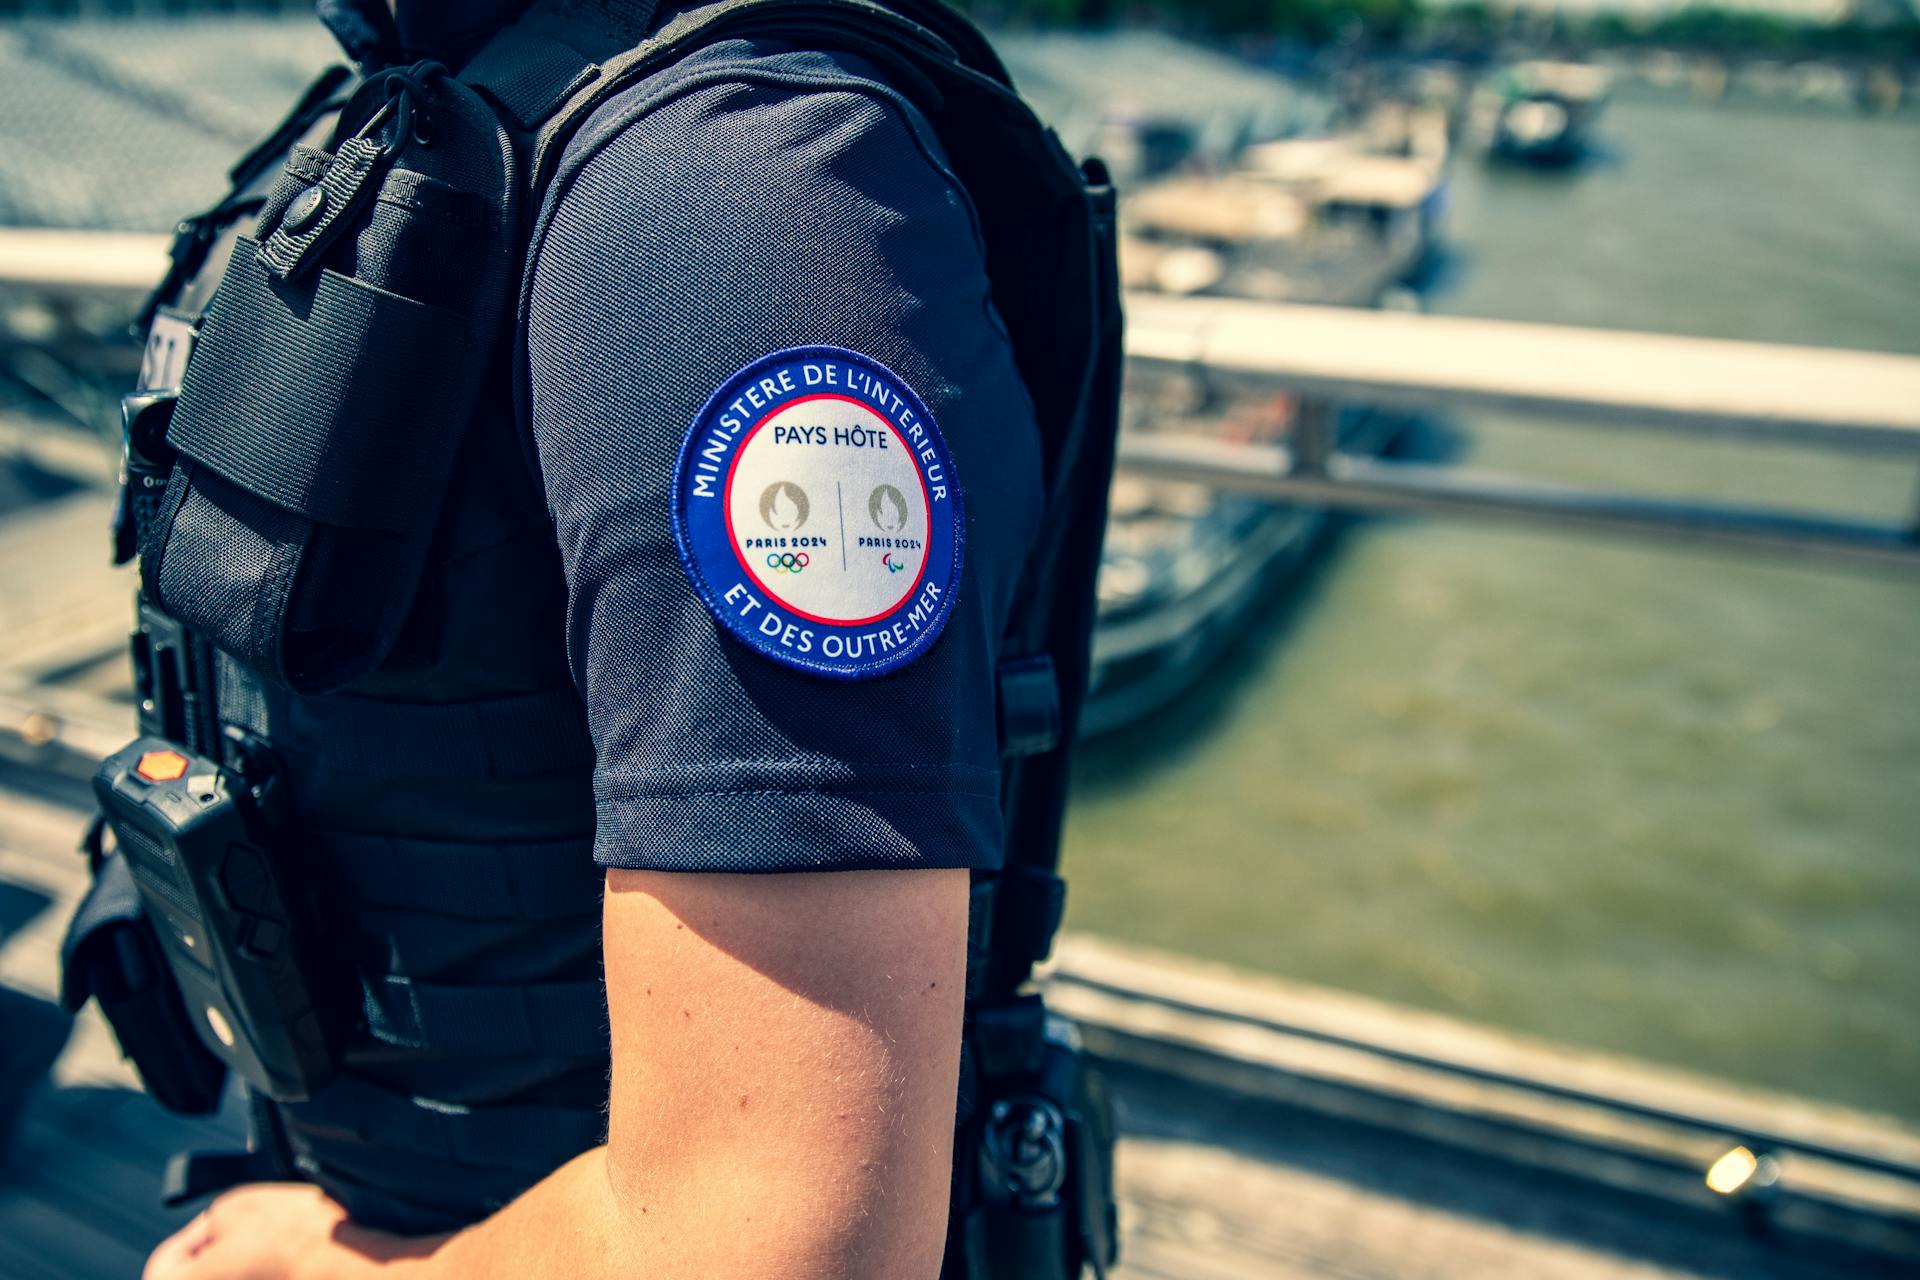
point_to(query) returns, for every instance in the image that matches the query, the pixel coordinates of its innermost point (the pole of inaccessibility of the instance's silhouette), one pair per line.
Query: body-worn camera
(227, 924)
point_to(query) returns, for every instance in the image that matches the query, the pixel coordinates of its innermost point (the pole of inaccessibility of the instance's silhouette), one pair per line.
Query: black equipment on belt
(229, 927)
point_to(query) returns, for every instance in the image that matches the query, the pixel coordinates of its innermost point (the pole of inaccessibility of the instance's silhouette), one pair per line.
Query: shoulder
(744, 123)
(752, 204)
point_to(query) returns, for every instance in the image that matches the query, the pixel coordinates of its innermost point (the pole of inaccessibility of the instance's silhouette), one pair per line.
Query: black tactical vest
(431, 752)
(370, 604)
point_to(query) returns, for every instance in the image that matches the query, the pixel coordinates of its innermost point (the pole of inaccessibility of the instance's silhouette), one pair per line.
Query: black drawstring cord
(408, 92)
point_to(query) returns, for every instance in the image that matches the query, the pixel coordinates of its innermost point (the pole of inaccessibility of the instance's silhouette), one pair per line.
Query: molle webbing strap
(561, 61)
(510, 1020)
(529, 72)
(520, 736)
(521, 1136)
(350, 179)
(553, 52)
(548, 880)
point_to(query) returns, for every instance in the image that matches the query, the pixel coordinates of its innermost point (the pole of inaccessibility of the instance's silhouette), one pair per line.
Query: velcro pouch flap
(328, 397)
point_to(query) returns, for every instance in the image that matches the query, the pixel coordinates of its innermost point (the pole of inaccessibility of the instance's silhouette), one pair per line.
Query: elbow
(847, 1203)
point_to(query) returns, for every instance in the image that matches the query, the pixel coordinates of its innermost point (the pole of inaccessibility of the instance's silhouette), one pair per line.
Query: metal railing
(1808, 397)
(1815, 398)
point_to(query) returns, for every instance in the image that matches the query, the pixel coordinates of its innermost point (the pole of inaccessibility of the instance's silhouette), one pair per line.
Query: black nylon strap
(515, 1136)
(545, 1019)
(351, 177)
(980, 896)
(1029, 706)
(1028, 904)
(112, 900)
(529, 73)
(520, 736)
(545, 881)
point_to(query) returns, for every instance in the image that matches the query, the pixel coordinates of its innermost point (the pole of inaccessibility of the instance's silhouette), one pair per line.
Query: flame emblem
(888, 509)
(784, 506)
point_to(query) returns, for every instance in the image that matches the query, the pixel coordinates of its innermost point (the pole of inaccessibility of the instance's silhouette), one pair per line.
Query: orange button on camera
(161, 766)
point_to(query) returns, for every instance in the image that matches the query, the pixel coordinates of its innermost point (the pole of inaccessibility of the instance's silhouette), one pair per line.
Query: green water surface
(1662, 803)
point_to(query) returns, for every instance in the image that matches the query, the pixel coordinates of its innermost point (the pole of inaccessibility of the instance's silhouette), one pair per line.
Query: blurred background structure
(1563, 888)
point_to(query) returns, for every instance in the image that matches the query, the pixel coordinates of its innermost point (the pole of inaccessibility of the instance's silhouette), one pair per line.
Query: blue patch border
(683, 538)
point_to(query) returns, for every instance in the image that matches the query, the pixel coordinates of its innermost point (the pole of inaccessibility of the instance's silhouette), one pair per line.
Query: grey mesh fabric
(752, 199)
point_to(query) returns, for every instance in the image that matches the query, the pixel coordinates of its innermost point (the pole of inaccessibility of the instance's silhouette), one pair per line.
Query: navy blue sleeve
(764, 201)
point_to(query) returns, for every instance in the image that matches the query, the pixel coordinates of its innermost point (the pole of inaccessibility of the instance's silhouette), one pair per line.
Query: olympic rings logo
(788, 561)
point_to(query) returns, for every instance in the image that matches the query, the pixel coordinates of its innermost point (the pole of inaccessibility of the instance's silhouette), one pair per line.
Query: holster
(1034, 1185)
(112, 954)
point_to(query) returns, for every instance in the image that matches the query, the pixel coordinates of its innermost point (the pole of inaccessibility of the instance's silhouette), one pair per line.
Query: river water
(1657, 802)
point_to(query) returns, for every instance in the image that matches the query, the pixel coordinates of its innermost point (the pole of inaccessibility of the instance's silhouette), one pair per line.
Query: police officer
(721, 627)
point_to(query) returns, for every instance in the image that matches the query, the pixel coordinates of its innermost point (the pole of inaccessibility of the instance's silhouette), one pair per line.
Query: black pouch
(112, 954)
(331, 385)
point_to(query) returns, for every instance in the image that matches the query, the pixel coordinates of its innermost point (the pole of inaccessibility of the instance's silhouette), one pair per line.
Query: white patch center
(827, 511)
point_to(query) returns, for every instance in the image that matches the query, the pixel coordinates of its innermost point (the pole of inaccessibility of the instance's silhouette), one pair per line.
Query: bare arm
(785, 1061)
(785, 1058)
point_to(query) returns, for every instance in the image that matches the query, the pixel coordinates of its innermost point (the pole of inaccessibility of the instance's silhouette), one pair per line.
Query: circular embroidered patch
(816, 511)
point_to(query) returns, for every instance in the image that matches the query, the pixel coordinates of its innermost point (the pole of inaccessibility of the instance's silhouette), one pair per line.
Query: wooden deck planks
(59, 598)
